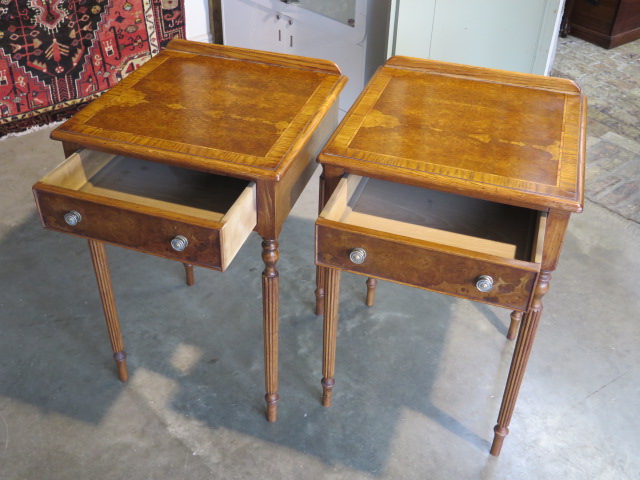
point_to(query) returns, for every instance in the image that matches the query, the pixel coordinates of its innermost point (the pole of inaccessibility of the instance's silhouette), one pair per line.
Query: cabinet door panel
(499, 33)
(250, 25)
(515, 35)
(413, 27)
(310, 40)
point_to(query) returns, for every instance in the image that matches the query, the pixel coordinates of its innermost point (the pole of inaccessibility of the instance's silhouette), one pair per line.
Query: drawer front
(135, 230)
(420, 266)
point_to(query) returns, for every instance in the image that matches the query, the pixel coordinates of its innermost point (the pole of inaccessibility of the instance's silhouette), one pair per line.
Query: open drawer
(462, 246)
(185, 215)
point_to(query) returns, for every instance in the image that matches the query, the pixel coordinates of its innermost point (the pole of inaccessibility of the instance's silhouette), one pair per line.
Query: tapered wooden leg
(188, 270)
(270, 284)
(371, 291)
(101, 268)
(320, 270)
(320, 274)
(332, 285)
(519, 362)
(516, 316)
(329, 180)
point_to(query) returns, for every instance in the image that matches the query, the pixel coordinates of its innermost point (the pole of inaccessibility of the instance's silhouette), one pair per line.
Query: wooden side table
(188, 155)
(454, 179)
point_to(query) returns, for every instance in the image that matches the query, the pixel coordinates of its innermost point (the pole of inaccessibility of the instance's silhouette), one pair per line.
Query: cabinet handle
(72, 218)
(179, 243)
(357, 255)
(484, 283)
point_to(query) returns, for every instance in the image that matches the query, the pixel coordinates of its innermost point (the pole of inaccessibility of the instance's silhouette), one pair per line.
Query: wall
(198, 25)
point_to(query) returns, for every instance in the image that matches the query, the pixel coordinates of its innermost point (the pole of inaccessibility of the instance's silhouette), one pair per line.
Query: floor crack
(606, 385)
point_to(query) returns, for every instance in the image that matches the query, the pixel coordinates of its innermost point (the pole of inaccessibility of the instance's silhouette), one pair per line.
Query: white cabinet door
(250, 25)
(410, 28)
(313, 37)
(517, 35)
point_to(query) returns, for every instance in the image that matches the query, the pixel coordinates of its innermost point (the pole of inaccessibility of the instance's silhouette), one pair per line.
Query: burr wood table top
(501, 136)
(212, 108)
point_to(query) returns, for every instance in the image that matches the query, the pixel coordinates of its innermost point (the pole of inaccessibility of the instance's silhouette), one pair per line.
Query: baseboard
(205, 38)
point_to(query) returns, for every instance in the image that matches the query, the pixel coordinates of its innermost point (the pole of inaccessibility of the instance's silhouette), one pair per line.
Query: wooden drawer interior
(442, 218)
(213, 201)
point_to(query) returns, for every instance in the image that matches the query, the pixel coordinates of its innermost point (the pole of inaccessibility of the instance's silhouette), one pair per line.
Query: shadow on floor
(200, 348)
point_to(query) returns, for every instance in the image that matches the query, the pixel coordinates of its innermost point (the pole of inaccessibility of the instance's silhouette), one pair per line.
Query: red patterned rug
(56, 55)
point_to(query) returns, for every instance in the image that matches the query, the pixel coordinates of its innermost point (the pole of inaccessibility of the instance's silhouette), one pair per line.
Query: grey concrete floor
(419, 376)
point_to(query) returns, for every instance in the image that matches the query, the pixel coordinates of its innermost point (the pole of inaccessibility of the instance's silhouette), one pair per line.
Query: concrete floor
(419, 376)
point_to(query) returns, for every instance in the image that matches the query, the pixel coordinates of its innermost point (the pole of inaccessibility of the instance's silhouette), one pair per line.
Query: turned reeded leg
(516, 316)
(332, 286)
(320, 280)
(521, 354)
(101, 268)
(371, 291)
(329, 180)
(320, 270)
(188, 270)
(270, 283)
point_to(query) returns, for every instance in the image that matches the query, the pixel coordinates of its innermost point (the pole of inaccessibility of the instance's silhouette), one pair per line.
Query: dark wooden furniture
(607, 23)
(454, 179)
(188, 155)
(215, 20)
(565, 27)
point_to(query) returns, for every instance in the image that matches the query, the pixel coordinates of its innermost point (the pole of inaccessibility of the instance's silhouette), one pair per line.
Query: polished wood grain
(143, 206)
(453, 140)
(425, 265)
(329, 180)
(131, 229)
(372, 283)
(262, 107)
(434, 124)
(198, 111)
(320, 281)
(554, 236)
(332, 283)
(270, 292)
(607, 23)
(514, 325)
(103, 277)
(278, 198)
(190, 278)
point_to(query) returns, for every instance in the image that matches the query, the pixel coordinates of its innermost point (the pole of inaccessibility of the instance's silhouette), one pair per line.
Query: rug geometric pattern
(56, 55)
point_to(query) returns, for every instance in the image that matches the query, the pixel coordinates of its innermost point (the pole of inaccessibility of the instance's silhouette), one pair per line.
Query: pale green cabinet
(517, 35)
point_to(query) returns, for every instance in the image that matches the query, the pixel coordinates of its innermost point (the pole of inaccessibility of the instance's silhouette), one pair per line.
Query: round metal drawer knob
(358, 255)
(179, 243)
(72, 218)
(484, 283)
